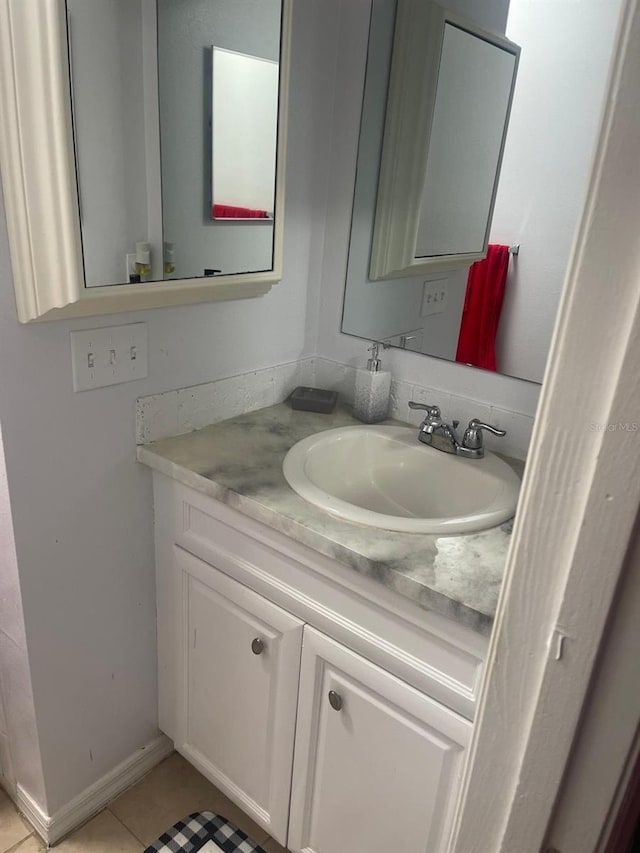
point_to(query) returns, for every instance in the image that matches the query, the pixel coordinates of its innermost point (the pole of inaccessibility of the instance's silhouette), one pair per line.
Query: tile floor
(171, 791)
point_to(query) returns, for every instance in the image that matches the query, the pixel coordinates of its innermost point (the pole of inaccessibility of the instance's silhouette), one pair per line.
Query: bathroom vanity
(322, 674)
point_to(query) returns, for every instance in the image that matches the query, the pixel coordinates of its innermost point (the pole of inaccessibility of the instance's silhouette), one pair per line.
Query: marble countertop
(239, 462)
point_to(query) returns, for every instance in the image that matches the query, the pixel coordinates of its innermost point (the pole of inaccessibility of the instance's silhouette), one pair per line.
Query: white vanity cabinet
(238, 690)
(334, 712)
(376, 762)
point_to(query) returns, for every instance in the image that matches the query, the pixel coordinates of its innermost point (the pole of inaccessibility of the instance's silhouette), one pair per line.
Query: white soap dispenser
(373, 389)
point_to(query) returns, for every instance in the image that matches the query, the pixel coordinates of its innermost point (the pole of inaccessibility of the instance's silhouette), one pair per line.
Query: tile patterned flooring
(130, 823)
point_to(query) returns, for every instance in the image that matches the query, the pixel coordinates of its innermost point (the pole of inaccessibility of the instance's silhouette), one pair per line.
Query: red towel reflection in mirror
(482, 307)
(232, 211)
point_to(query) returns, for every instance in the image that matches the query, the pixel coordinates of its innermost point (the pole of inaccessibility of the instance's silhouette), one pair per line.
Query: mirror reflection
(475, 78)
(450, 91)
(243, 133)
(497, 314)
(177, 169)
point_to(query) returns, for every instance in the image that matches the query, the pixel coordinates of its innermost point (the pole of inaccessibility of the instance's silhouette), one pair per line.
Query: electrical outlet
(434, 296)
(108, 356)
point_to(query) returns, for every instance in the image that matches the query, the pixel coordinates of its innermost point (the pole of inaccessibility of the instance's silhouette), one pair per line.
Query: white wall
(349, 46)
(81, 505)
(19, 746)
(602, 759)
(559, 98)
(184, 47)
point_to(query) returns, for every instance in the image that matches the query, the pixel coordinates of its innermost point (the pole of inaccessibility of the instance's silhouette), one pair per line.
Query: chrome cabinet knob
(335, 700)
(257, 646)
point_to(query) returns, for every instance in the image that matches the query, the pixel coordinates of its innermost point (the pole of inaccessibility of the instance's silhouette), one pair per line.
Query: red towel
(232, 211)
(482, 307)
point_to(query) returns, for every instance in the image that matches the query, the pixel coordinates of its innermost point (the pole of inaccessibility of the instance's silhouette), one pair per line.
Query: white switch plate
(434, 296)
(108, 356)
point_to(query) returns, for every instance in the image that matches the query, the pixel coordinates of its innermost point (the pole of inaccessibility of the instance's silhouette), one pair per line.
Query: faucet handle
(476, 424)
(472, 439)
(432, 411)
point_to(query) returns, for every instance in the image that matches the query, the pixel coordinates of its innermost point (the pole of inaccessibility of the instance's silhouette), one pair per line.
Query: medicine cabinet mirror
(447, 114)
(142, 150)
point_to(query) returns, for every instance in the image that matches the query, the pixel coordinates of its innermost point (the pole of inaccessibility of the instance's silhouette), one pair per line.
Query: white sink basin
(381, 476)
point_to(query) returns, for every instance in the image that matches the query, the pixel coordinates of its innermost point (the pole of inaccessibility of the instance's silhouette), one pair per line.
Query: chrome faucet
(433, 427)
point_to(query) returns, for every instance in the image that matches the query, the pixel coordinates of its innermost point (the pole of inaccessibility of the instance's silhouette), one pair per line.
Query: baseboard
(38, 818)
(52, 828)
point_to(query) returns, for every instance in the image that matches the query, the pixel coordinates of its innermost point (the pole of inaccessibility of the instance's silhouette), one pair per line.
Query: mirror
(550, 142)
(450, 92)
(177, 169)
(244, 132)
(473, 97)
(79, 215)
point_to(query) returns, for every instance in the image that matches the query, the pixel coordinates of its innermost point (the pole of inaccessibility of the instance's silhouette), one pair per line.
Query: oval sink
(382, 476)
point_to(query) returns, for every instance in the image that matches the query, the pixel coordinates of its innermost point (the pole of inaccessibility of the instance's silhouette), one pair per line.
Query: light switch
(108, 356)
(434, 296)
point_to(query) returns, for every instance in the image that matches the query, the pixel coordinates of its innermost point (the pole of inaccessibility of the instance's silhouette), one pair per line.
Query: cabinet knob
(257, 646)
(335, 700)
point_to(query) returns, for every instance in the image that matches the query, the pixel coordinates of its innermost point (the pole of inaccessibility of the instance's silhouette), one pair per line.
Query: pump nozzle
(374, 364)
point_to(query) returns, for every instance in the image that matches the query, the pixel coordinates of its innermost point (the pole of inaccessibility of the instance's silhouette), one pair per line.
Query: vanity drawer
(435, 655)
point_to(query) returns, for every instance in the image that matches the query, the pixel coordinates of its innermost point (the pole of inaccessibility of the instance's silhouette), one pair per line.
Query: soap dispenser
(373, 389)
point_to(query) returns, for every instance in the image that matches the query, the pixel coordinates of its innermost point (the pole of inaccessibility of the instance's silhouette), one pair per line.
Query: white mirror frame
(417, 46)
(40, 189)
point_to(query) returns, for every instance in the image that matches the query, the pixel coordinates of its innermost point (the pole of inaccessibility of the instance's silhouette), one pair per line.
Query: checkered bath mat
(203, 831)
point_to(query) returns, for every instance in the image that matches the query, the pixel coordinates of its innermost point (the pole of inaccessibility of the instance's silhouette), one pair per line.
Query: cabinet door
(377, 764)
(237, 703)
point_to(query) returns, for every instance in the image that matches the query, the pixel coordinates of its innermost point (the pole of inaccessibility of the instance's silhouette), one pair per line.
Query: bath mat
(204, 832)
